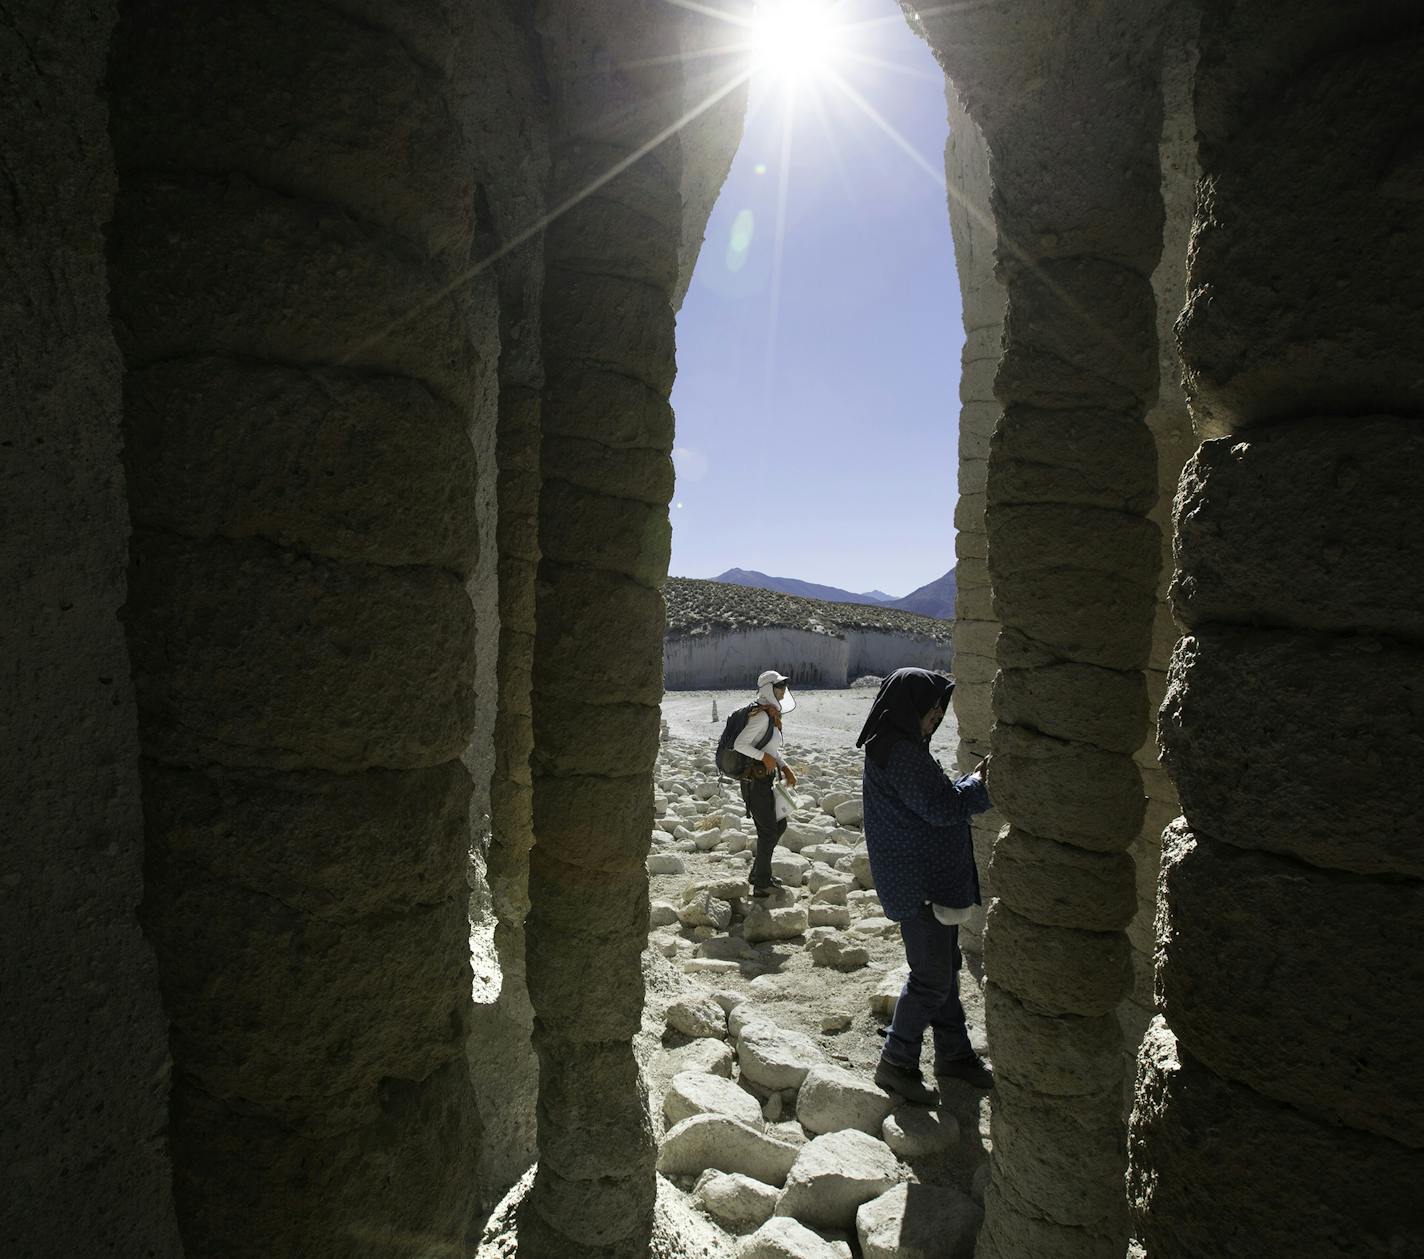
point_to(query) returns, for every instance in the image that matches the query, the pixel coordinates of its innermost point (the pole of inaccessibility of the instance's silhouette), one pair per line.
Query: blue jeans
(930, 998)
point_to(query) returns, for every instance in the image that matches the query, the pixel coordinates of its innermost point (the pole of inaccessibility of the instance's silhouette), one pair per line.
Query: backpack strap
(766, 738)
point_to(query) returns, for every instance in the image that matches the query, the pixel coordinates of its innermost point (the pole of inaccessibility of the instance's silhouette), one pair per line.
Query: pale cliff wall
(726, 660)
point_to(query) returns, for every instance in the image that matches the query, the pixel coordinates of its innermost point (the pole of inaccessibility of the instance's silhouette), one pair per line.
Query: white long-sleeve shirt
(752, 734)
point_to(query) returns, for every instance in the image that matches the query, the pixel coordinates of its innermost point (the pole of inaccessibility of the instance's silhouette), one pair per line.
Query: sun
(794, 40)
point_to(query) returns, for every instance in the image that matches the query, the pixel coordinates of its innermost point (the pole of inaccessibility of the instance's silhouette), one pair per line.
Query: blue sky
(822, 410)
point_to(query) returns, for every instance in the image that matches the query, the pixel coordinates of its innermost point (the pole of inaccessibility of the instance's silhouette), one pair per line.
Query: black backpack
(729, 760)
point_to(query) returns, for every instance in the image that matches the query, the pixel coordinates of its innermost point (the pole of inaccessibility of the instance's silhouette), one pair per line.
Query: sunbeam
(783, 199)
(541, 224)
(886, 126)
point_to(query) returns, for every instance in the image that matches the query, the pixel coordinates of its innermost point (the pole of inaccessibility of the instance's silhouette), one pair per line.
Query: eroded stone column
(976, 630)
(512, 170)
(1278, 1100)
(1171, 428)
(1069, 102)
(611, 269)
(83, 1163)
(306, 362)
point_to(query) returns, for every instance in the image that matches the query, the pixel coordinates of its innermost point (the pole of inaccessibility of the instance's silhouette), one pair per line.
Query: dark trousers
(762, 806)
(930, 998)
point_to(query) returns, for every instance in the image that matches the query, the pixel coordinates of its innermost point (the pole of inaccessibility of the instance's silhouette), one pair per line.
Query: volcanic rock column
(1069, 103)
(83, 1162)
(611, 267)
(306, 364)
(1171, 427)
(512, 170)
(976, 630)
(1279, 1105)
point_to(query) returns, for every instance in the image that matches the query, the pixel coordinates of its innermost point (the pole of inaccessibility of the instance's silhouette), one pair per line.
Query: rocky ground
(763, 1019)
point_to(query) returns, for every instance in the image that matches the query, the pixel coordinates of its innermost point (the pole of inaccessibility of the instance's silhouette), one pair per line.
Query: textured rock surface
(727, 1144)
(774, 1057)
(833, 1175)
(85, 1043)
(1072, 560)
(738, 1203)
(832, 1098)
(1200, 1142)
(1299, 655)
(1271, 995)
(976, 628)
(390, 458)
(914, 1131)
(918, 1222)
(286, 653)
(700, 1093)
(784, 1238)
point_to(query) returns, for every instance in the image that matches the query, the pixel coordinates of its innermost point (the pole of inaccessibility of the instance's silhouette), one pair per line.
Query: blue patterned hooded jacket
(916, 816)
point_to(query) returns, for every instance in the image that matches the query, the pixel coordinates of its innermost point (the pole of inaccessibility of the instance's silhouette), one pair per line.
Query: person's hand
(788, 774)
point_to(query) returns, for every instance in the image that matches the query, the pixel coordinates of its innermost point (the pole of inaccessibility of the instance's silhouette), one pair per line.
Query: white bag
(784, 801)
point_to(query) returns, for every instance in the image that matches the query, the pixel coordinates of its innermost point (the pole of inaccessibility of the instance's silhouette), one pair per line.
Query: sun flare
(794, 40)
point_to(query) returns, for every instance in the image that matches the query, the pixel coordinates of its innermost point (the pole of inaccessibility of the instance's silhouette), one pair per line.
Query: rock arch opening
(356, 322)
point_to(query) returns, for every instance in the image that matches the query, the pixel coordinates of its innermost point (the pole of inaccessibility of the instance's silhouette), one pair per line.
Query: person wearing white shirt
(764, 754)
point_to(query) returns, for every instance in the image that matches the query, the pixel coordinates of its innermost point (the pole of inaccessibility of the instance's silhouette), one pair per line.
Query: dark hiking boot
(766, 889)
(904, 1082)
(973, 1071)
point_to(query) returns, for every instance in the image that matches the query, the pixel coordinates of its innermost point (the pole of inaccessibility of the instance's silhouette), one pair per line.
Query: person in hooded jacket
(922, 859)
(774, 701)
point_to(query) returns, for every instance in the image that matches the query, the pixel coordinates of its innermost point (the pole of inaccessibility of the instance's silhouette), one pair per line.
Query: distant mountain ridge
(793, 586)
(934, 599)
(697, 607)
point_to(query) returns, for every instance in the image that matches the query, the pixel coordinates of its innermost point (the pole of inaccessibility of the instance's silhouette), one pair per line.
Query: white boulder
(728, 888)
(914, 1221)
(666, 863)
(819, 914)
(712, 1057)
(833, 1175)
(864, 902)
(832, 1099)
(706, 910)
(710, 966)
(745, 1013)
(692, 1146)
(738, 1203)
(913, 1131)
(774, 1057)
(837, 953)
(860, 868)
(825, 884)
(887, 993)
(697, 1016)
(790, 866)
(774, 924)
(825, 854)
(783, 1238)
(850, 813)
(697, 1093)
